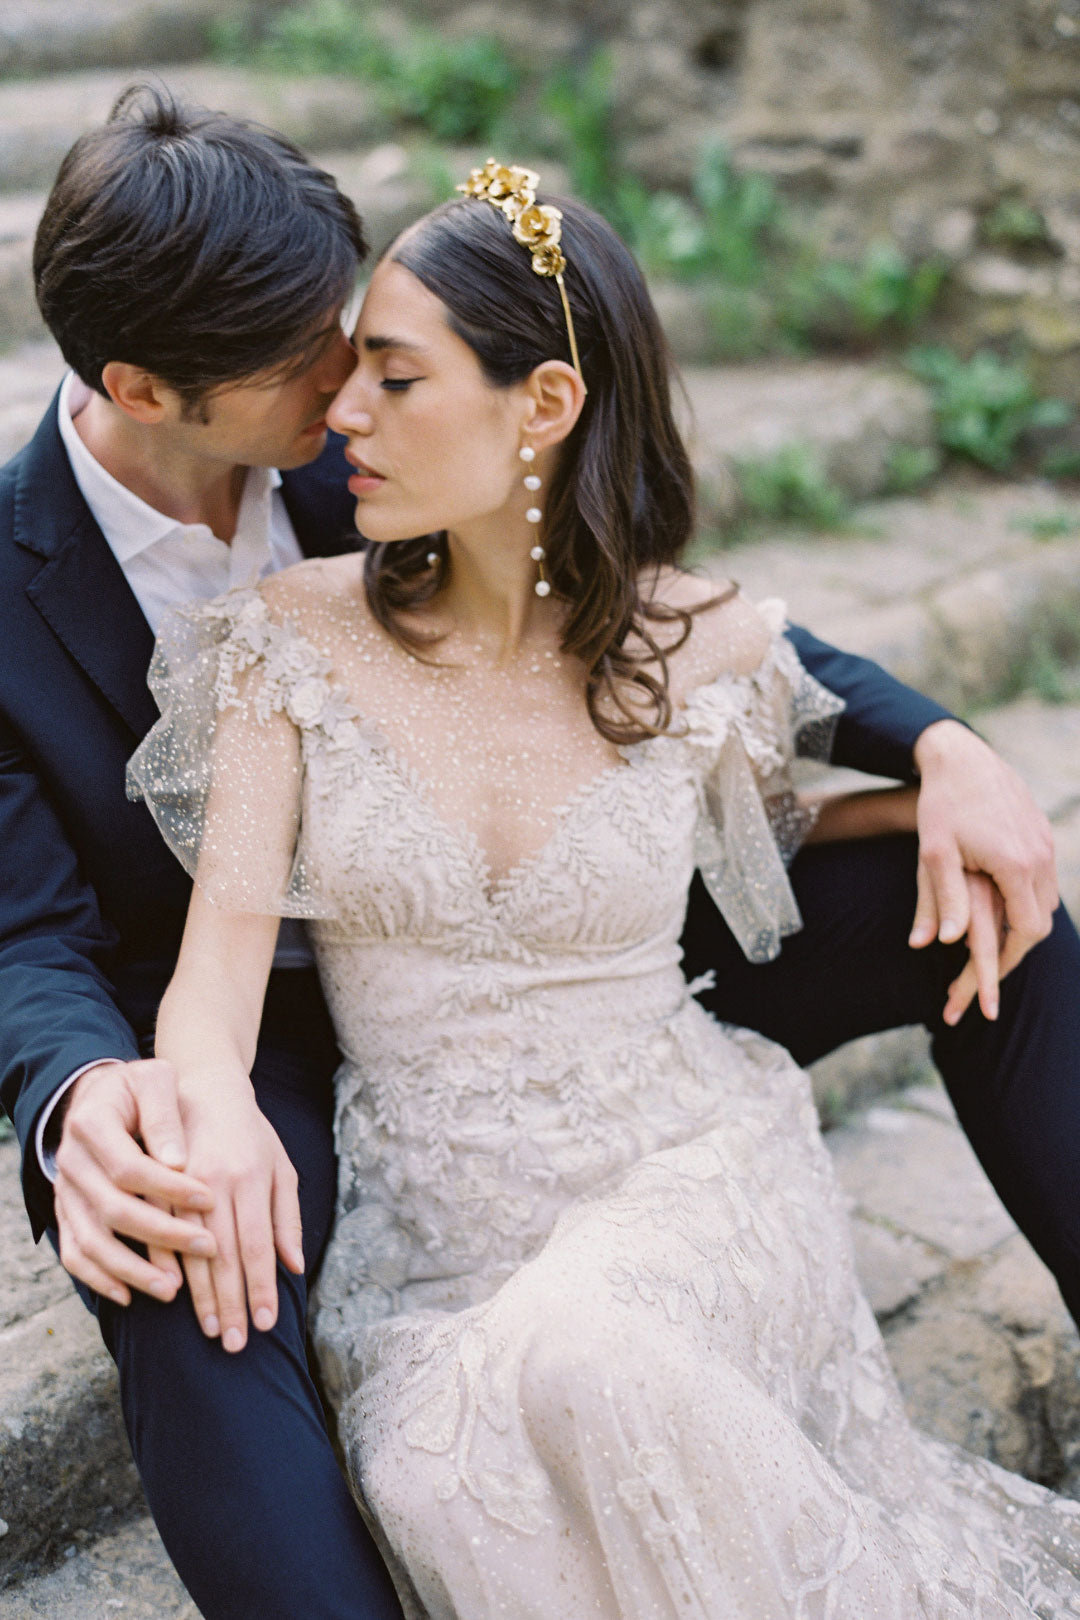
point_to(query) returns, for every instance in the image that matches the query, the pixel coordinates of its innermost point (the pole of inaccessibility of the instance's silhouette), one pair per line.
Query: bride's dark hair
(621, 503)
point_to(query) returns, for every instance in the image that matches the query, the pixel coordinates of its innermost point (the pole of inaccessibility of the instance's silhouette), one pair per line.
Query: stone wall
(918, 119)
(952, 126)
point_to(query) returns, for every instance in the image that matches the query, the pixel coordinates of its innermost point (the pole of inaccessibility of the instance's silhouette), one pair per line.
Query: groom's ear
(139, 394)
(554, 397)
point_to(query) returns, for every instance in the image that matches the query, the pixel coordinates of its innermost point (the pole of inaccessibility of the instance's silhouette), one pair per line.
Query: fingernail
(202, 1245)
(950, 930)
(992, 1008)
(171, 1153)
(264, 1319)
(233, 1340)
(163, 1288)
(211, 1326)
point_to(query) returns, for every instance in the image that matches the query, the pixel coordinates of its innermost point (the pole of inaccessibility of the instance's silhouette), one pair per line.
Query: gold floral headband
(537, 226)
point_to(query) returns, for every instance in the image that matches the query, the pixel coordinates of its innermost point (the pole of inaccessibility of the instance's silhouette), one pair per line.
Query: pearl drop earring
(534, 515)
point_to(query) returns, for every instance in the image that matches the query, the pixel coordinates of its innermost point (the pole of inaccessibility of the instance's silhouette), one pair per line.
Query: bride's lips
(365, 479)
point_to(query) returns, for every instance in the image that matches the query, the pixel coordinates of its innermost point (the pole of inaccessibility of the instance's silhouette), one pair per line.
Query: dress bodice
(508, 1041)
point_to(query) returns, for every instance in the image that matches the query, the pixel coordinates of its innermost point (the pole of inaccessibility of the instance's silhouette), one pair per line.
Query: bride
(588, 1316)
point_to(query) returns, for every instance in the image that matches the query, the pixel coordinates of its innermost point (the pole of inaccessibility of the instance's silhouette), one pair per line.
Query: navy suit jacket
(92, 904)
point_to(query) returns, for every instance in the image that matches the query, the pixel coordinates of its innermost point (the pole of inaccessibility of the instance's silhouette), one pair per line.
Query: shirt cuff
(46, 1159)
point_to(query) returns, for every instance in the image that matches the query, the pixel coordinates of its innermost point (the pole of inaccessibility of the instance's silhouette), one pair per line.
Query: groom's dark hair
(203, 248)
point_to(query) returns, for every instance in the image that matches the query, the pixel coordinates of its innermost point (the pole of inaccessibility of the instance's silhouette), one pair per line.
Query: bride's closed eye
(398, 385)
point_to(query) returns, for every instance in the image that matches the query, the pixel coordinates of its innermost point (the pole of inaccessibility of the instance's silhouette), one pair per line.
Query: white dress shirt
(167, 563)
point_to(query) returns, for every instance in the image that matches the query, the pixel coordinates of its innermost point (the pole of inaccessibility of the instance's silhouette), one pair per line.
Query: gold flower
(549, 260)
(538, 225)
(507, 185)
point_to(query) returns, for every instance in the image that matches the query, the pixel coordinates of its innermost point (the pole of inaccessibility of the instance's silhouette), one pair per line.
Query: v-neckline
(493, 889)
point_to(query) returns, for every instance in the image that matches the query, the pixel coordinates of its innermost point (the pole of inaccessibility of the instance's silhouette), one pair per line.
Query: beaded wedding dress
(588, 1315)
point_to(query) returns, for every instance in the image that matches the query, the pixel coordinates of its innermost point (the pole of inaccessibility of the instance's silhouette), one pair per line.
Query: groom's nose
(336, 364)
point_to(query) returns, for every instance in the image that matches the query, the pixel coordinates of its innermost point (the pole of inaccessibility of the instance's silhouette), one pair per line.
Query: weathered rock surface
(53, 36)
(124, 1576)
(854, 416)
(949, 592)
(64, 1458)
(985, 1352)
(951, 126)
(40, 120)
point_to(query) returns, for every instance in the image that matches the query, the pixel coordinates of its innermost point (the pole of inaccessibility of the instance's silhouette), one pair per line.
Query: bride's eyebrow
(374, 345)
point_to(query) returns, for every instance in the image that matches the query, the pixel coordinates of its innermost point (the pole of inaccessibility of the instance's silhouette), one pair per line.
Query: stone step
(54, 36)
(986, 1354)
(65, 1466)
(855, 416)
(39, 120)
(125, 1575)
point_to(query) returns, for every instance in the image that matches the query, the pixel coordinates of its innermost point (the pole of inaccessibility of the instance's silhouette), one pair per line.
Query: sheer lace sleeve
(750, 729)
(242, 699)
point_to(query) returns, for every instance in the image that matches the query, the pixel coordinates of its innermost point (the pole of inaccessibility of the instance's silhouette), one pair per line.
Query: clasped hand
(194, 1173)
(986, 868)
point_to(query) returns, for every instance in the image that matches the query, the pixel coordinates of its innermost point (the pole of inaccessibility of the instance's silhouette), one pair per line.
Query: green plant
(580, 102)
(1015, 223)
(734, 232)
(985, 406)
(456, 88)
(324, 36)
(1048, 525)
(909, 466)
(791, 486)
(883, 294)
(722, 232)
(1062, 462)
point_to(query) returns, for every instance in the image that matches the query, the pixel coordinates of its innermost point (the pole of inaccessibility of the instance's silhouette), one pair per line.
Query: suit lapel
(80, 590)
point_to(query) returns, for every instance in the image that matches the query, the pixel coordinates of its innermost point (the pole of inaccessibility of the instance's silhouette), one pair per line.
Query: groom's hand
(986, 862)
(119, 1174)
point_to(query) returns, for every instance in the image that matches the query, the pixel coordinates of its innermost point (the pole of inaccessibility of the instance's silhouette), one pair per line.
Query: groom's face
(272, 420)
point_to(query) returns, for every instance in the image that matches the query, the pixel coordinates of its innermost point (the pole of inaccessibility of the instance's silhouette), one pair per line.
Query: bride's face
(435, 446)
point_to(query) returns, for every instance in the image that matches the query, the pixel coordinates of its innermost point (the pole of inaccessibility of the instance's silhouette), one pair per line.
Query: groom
(193, 270)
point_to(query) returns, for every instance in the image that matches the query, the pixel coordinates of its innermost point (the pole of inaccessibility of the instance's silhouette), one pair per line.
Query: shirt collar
(130, 524)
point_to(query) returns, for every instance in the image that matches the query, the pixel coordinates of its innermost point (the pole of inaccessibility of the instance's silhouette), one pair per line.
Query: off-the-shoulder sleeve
(750, 729)
(222, 771)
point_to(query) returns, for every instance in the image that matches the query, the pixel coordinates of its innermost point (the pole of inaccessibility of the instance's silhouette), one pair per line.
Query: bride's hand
(235, 1151)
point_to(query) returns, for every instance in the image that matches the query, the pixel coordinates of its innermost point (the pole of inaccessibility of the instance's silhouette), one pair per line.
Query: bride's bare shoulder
(727, 633)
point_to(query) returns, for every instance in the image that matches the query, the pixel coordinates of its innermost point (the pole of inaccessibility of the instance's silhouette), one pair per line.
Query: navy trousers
(233, 1453)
